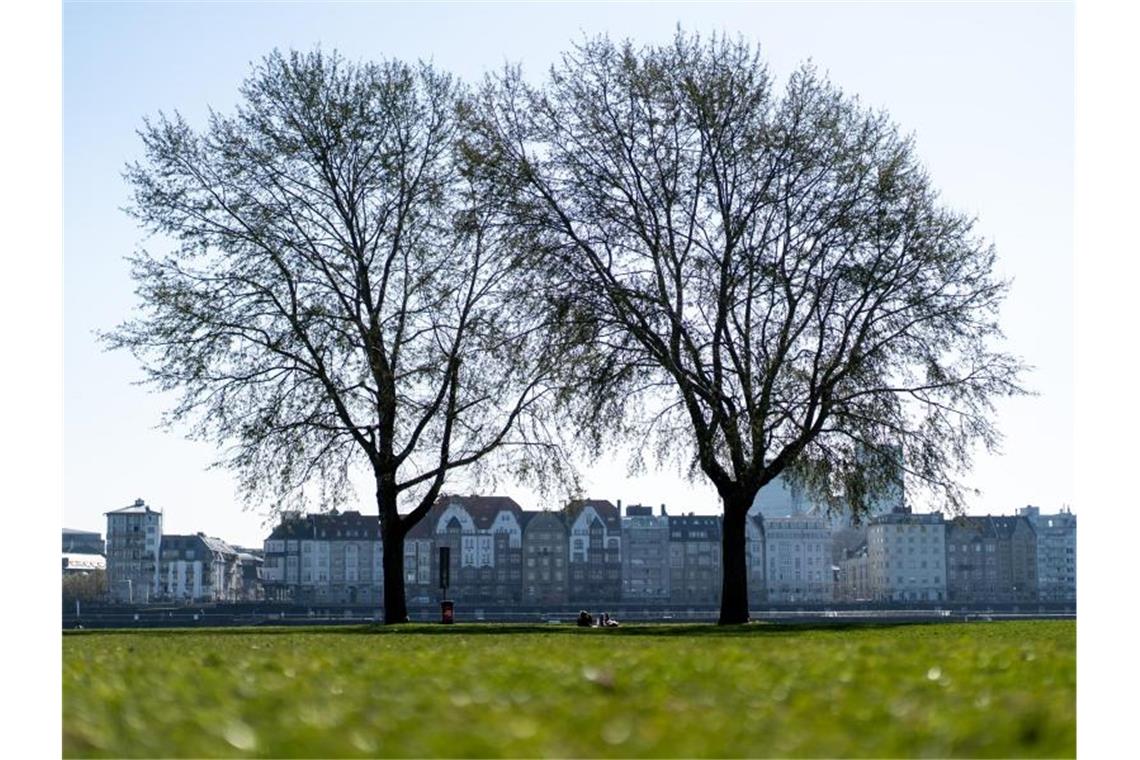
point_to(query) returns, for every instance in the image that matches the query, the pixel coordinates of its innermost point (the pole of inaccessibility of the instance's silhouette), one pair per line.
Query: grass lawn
(987, 689)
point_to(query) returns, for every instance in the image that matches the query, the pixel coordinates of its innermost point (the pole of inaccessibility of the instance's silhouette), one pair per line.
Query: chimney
(663, 512)
(138, 502)
(619, 506)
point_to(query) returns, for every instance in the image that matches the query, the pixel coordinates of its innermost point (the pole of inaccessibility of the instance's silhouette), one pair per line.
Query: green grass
(1000, 689)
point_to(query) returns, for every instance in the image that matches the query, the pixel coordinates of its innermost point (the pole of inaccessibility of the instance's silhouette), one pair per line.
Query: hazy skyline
(986, 90)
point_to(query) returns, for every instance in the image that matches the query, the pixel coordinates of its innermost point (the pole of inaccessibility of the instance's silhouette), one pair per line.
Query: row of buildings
(594, 552)
(145, 566)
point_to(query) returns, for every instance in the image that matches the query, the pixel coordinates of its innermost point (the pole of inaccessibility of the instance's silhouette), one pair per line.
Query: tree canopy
(374, 267)
(337, 295)
(767, 276)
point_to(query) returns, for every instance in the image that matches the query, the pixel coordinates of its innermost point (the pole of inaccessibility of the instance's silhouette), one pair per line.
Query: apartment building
(199, 568)
(694, 559)
(852, 579)
(250, 562)
(546, 550)
(484, 534)
(991, 560)
(330, 558)
(906, 557)
(595, 551)
(798, 552)
(645, 555)
(134, 535)
(83, 563)
(1056, 553)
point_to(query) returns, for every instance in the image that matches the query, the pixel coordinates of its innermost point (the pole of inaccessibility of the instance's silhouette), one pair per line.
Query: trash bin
(447, 608)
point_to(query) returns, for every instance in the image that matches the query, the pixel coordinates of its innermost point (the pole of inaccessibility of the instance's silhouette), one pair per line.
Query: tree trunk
(392, 535)
(395, 602)
(734, 583)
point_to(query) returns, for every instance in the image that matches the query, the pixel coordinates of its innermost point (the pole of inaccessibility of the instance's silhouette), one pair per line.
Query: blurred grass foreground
(987, 689)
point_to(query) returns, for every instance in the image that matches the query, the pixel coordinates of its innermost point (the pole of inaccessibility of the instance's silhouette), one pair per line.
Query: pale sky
(986, 89)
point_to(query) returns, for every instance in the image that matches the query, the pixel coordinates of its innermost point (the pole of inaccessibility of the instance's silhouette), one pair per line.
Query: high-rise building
(783, 497)
(134, 536)
(887, 495)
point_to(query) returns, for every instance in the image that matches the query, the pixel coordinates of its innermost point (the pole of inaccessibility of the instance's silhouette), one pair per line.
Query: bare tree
(337, 295)
(768, 279)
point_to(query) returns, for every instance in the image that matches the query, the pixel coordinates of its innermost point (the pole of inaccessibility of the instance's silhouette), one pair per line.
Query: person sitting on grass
(585, 619)
(609, 622)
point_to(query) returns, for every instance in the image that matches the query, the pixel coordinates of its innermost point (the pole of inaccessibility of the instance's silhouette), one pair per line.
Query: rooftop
(139, 507)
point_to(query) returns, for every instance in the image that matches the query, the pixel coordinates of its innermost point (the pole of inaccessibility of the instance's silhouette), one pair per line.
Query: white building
(798, 552)
(1056, 553)
(199, 568)
(906, 557)
(134, 536)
